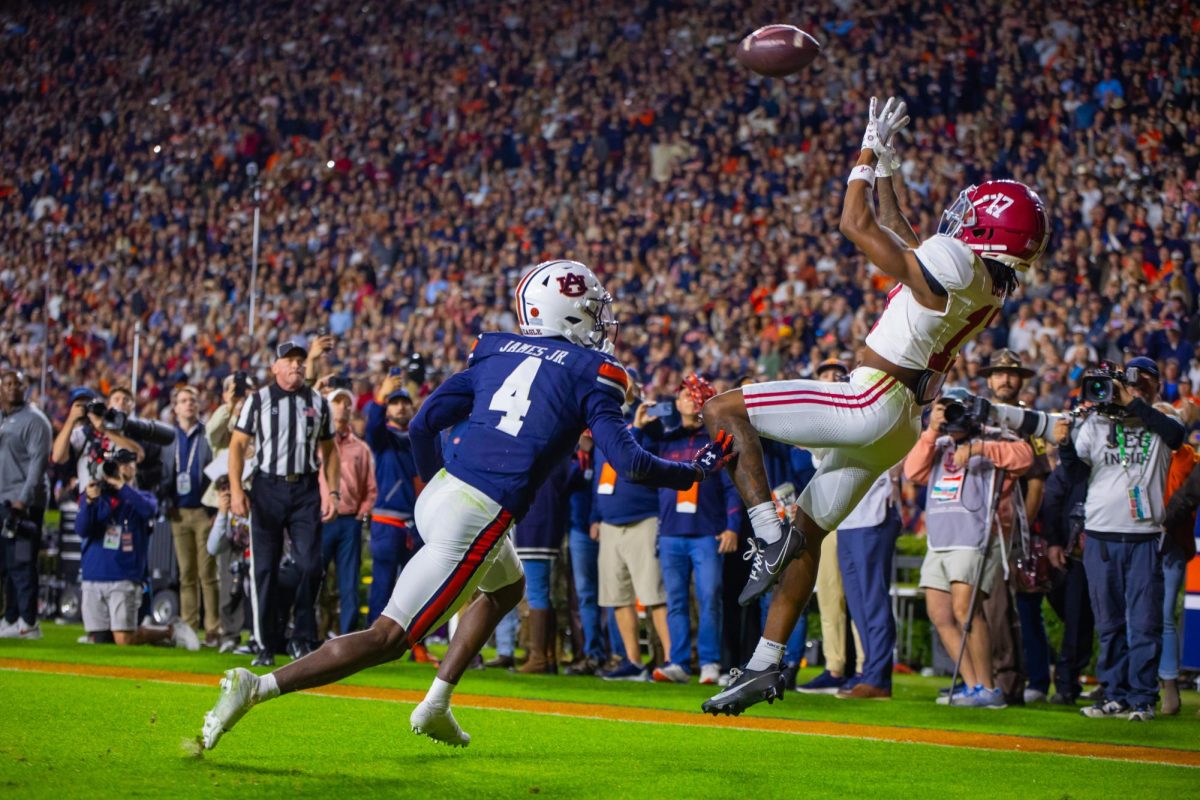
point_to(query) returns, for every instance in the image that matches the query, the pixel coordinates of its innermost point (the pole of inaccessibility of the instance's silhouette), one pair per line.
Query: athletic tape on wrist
(862, 172)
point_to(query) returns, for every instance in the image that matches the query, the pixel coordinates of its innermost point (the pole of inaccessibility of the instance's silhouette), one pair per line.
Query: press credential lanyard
(183, 480)
(1121, 447)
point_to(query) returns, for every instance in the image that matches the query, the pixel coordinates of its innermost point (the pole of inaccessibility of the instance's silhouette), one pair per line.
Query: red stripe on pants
(454, 585)
(753, 396)
(880, 391)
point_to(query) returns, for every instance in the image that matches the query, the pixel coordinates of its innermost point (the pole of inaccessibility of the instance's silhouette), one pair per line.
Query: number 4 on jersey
(512, 398)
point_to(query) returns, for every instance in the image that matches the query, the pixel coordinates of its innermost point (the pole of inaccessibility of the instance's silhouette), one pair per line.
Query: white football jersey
(910, 335)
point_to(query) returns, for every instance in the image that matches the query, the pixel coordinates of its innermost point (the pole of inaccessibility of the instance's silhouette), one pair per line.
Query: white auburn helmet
(564, 298)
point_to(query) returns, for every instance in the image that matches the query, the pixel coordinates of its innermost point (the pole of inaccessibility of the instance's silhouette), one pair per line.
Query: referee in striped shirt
(287, 421)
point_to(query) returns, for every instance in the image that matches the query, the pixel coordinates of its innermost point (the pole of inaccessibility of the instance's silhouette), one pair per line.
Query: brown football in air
(777, 50)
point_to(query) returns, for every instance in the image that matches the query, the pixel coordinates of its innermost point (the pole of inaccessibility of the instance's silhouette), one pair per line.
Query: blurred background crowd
(413, 159)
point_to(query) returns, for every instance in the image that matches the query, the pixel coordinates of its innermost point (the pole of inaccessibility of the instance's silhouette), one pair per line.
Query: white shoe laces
(755, 553)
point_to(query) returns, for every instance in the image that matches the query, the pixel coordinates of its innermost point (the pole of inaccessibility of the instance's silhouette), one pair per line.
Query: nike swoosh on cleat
(774, 568)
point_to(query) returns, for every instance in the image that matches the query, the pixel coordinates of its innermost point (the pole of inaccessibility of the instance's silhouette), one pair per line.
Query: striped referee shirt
(286, 427)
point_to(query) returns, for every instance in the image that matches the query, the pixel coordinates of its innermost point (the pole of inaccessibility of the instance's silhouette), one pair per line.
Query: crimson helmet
(1001, 220)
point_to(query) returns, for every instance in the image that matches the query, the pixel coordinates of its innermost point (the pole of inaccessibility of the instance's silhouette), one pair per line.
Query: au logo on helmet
(572, 284)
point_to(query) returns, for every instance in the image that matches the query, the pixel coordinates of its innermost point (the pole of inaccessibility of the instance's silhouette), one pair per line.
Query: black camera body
(1098, 387)
(964, 413)
(107, 463)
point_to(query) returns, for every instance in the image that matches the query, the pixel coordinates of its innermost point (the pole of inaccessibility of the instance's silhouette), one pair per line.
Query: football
(777, 50)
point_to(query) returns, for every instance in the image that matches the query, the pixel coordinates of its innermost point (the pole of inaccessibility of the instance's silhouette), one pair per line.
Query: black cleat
(749, 686)
(769, 561)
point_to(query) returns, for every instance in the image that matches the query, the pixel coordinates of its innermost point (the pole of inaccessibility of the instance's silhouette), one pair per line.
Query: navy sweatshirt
(115, 529)
(704, 509)
(395, 470)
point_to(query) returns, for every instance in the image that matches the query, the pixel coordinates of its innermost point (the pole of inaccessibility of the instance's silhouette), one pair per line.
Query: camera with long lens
(14, 522)
(143, 431)
(964, 413)
(1099, 388)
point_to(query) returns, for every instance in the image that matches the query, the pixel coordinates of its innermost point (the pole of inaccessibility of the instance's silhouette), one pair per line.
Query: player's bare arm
(887, 176)
(887, 250)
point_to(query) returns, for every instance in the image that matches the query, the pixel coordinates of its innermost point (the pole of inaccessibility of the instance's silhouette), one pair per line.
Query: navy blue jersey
(525, 401)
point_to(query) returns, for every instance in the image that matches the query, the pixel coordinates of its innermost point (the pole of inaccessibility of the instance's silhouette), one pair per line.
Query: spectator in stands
(695, 528)
(1123, 525)
(25, 438)
(964, 520)
(341, 536)
(191, 520)
(115, 521)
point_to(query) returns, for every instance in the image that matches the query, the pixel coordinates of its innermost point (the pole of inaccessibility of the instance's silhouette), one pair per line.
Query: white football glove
(882, 127)
(888, 163)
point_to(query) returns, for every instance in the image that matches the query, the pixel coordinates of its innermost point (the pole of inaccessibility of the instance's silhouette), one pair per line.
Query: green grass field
(69, 736)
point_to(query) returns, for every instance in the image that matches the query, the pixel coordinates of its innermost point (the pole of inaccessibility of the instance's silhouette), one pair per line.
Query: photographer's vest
(958, 503)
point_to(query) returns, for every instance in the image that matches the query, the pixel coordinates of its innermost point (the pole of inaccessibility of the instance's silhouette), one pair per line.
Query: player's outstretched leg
(338, 658)
(761, 678)
(775, 542)
(432, 717)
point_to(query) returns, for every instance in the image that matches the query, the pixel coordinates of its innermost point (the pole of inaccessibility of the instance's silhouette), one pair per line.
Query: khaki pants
(197, 569)
(831, 599)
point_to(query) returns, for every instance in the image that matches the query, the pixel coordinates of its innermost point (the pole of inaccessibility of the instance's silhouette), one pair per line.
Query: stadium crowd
(414, 159)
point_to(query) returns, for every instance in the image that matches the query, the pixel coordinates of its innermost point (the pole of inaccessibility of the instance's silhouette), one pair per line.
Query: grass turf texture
(71, 736)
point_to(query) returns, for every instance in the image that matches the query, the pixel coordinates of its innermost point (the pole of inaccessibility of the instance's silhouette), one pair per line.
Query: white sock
(766, 654)
(765, 520)
(267, 687)
(439, 693)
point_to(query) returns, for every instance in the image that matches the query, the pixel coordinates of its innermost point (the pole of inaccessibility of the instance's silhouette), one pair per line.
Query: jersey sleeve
(948, 260)
(449, 404)
(626, 456)
(612, 378)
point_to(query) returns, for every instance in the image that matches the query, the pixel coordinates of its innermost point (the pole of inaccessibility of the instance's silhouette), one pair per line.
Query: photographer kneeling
(114, 522)
(1127, 443)
(960, 461)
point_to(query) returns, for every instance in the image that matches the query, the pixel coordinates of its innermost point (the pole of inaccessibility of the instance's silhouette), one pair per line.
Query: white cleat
(238, 695)
(438, 724)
